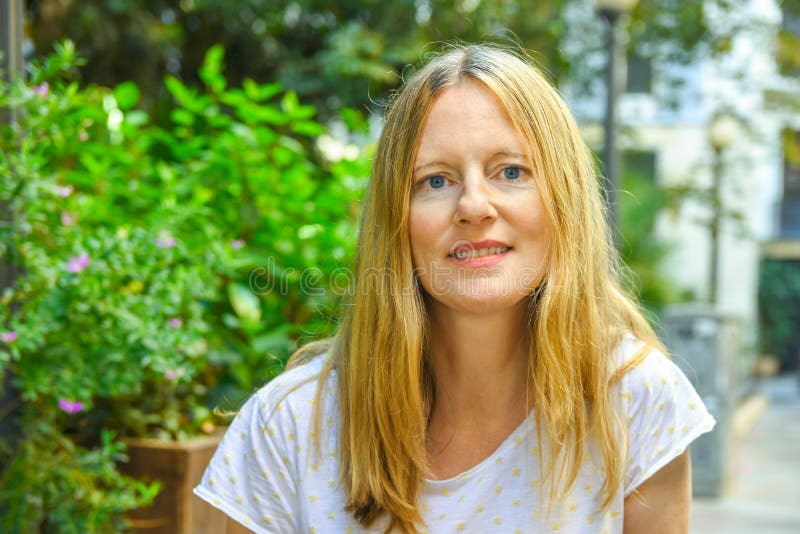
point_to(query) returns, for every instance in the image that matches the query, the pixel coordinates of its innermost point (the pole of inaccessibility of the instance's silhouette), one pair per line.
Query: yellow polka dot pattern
(266, 475)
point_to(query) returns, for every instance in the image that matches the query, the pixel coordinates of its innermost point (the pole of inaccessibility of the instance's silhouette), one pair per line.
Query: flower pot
(178, 465)
(767, 366)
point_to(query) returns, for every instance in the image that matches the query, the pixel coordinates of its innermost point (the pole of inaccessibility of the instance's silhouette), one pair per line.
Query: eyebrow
(514, 154)
(499, 153)
(431, 164)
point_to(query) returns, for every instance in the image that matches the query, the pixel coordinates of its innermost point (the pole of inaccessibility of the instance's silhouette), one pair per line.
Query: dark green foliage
(53, 485)
(640, 203)
(779, 312)
(335, 53)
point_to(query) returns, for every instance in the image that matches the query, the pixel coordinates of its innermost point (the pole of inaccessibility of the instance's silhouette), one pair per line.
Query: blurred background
(180, 183)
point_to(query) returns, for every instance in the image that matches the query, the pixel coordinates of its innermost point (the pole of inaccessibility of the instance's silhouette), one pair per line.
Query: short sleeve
(664, 414)
(252, 477)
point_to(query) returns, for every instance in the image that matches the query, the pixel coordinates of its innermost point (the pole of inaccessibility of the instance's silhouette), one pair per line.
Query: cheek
(418, 231)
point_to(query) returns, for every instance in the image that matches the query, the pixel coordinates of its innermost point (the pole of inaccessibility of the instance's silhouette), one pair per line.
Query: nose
(475, 205)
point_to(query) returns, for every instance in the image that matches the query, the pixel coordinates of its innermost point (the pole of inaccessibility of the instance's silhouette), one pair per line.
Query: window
(639, 164)
(790, 204)
(640, 74)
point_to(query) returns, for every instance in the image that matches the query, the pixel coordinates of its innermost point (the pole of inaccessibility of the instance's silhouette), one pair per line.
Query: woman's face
(479, 235)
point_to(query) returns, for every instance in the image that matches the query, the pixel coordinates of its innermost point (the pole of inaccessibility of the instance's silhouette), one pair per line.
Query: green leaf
(127, 95)
(275, 339)
(309, 128)
(92, 164)
(262, 113)
(181, 116)
(304, 112)
(213, 59)
(269, 90)
(245, 303)
(354, 120)
(289, 102)
(183, 95)
(211, 71)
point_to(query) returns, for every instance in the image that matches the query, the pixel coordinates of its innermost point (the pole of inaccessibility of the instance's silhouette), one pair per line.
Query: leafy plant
(778, 295)
(640, 250)
(165, 269)
(54, 485)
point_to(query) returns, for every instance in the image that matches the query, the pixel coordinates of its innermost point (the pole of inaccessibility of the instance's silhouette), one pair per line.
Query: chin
(480, 300)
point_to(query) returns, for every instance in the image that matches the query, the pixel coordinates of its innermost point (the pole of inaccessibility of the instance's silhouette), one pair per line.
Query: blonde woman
(489, 375)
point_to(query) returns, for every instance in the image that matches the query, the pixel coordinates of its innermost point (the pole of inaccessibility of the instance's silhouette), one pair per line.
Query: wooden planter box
(179, 466)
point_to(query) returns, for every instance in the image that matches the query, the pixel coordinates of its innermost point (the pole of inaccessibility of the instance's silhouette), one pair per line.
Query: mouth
(479, 254)
(469, 253)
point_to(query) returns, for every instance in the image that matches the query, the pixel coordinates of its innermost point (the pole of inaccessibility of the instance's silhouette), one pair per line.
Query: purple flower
(78, 263)
(175, 374)
(65, 191)
(70, 406)
(175, 322)
(43, 89)
(67, 219)
(166, 241)
(236, 244)
(8, 337)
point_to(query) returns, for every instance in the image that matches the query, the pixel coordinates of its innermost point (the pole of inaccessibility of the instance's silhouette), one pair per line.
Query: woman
(489, 375)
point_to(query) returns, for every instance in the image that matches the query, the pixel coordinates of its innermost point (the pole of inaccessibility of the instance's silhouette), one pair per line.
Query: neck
(480, 363)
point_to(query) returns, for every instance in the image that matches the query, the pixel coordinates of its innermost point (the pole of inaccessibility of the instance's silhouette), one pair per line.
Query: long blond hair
(578, 317)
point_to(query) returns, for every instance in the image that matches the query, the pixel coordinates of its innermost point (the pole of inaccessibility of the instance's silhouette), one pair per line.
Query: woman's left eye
(511, 173)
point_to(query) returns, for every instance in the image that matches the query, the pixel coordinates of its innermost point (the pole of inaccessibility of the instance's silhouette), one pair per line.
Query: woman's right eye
(437, 181)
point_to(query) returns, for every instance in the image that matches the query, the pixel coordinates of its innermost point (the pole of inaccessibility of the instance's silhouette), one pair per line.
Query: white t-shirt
(266, 476)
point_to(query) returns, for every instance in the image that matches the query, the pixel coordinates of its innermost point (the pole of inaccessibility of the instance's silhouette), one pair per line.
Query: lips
(479, 254)
(469, 249)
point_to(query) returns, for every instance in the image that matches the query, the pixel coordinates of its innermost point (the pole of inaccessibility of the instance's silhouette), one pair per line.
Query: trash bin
(705, 345)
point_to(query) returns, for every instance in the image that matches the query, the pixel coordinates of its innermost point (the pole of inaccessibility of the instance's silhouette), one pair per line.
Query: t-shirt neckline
(519, 432)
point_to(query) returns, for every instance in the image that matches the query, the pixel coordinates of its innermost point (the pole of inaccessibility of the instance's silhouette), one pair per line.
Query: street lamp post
(611, 11)
(722, 131)
(11, 27)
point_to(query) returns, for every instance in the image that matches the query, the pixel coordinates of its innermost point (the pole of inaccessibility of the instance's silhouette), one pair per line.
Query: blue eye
(437, 181)
(511, 173)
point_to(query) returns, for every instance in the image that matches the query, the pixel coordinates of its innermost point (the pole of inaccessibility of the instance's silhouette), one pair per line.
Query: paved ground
(764, 495)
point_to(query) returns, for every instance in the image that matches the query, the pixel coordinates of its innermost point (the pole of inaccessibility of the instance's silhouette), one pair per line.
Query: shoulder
(661, 410)
(290, 397)
(647, 366)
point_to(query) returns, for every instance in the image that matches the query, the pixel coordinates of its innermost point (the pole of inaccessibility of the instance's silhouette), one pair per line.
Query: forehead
(468, 118)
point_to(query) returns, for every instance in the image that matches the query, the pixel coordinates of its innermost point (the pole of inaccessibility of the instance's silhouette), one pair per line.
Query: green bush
(165, 269)
(641, 251)
(778, 310)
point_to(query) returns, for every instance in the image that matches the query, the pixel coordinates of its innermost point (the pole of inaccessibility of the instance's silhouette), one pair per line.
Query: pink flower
(43, 89)
(236, 244)
(166, 241)
(175, 374)
(65, 191)
(70, 406)
(67, 219)
(175, 322)
(78, 263)
(8, 337)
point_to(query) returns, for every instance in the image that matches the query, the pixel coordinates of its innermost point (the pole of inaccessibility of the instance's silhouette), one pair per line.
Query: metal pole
(11, 64)
(714, 227)
(610, 154)
(11, 35)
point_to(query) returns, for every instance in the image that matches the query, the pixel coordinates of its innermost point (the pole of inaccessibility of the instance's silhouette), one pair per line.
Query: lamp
(722, 131)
